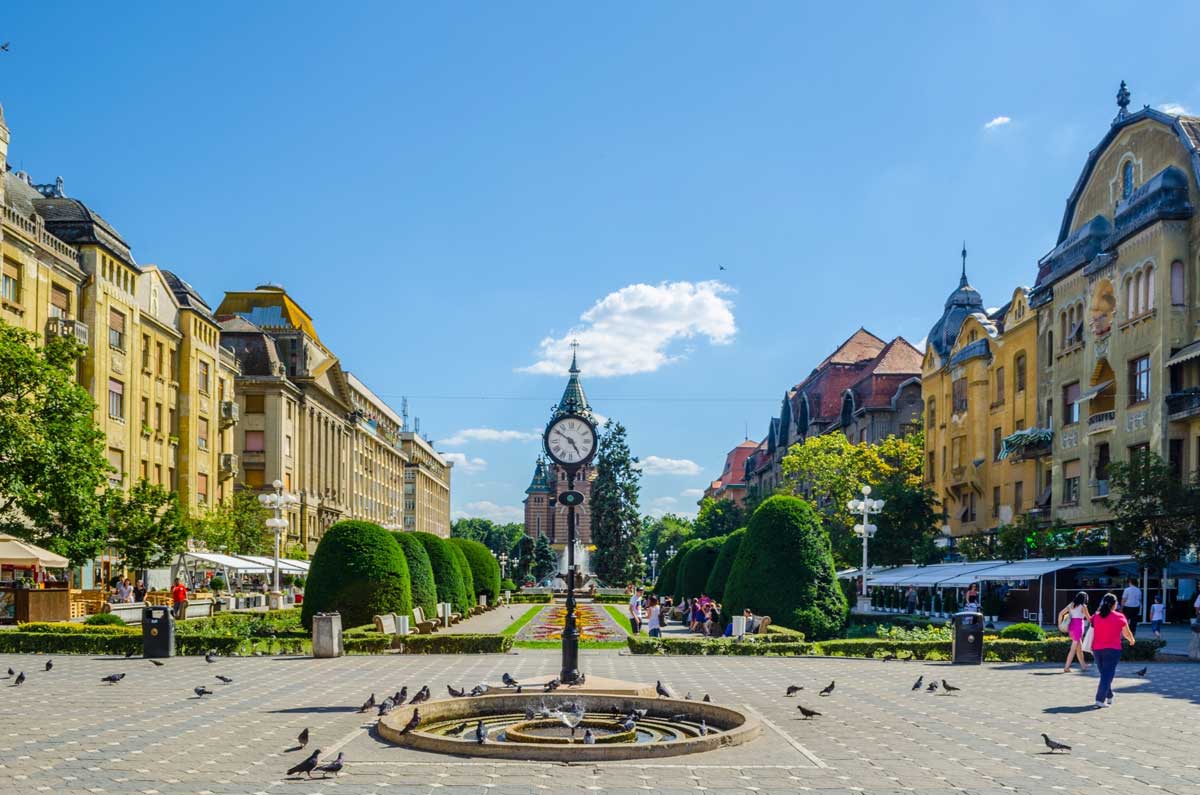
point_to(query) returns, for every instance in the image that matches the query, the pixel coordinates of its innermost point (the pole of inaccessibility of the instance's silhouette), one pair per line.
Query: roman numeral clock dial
(570, 440)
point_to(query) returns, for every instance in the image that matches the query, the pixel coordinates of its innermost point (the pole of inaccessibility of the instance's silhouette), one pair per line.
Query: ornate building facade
(426, 487)
(543, 514)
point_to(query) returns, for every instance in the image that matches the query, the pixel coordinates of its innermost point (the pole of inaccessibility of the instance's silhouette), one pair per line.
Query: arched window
(932, 413)
(1019, 373)
(1148, 286)
(1137, 294)
(1177, 283)
(847, 409)
(1127, 179)
(1127, 295)
(1062, 329)
(1049, 347)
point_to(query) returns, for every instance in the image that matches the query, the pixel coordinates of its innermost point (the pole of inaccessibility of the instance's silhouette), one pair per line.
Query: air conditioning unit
(65, 327)
(229, 412)
(229, 464)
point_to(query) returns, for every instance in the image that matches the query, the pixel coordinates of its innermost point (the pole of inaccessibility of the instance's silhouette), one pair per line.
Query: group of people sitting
(701, 614)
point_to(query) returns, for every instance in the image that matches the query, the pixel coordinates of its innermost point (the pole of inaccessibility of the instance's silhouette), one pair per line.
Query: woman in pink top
(1108, 627)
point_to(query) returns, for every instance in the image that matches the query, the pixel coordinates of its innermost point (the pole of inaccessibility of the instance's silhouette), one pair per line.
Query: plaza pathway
(65, 732)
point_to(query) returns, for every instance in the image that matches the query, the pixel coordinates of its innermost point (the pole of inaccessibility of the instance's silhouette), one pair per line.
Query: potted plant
(992, 604)
(937, 604)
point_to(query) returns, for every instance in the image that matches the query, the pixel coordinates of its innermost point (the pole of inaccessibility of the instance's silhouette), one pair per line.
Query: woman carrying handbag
(1109, 626)
(1073, 620)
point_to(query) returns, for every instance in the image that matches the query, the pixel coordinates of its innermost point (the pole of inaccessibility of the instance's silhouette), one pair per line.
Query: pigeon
(933, 686)
(201, 691)
(21, 679)
(1141, 672)
(333, 767)
(703, 728)
(808, 714)
(707, 699)
(481, 733)
(662, 691)
(370, 702)
(4, 47)
(477, 690)
(413, 722)
(157, 663)
(11, 672)
(421, 696)
(640, 713)
(401, 697)
(386, 707)
(888, 657)
(226, 679)
(459, 729)
(829, 689)
(508, 680)
(552, 684)
(720, 267)
(303, 738)
(793, 690)
(589, 738)
(949, 687)
(1054, 745)
(210, 657)
(307, 766)
(519, 688)
(49, 665)
(455, 693)
(920, 681)
(629, 725)
(112, 679)
(688, 697)
(130, 653)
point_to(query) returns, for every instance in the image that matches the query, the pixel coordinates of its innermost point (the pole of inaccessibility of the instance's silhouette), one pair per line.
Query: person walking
(910, 600)
(654, 617)
(1131, 604)
(1158, 615)
(179, 598)
(1078, 613)
(635, 612)
(124, 591)
(1109, 626)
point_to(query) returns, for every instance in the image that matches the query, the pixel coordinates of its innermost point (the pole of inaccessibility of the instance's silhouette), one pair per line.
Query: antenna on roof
(417, 425)
(746, 430)
(404, 411)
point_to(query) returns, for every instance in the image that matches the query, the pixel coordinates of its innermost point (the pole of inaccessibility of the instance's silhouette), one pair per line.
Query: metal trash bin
(966, 645)
(327, 635)
(158, 632)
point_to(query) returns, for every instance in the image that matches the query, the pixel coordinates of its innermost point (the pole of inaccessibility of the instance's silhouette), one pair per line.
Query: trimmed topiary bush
(715, 587)
(665, 584)
(465, 576)
(446, 574)
(100, 619)
(676, 584)
(420, 573)
(1023, 632)
(485, 571)
(358, 570)
(698, 565)
(508, 585)
(784, 569)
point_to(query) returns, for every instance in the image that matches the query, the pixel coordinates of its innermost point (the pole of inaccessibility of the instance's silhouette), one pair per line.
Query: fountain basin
(552, 731)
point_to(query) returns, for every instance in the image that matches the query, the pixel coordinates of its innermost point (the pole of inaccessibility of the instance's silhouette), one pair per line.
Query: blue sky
(453, 190)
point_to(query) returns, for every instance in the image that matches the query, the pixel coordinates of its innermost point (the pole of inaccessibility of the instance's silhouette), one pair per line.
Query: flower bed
(593, 622)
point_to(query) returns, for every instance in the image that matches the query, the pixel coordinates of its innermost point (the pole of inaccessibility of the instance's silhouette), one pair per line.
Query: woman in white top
(1078, 613)
(654, 617)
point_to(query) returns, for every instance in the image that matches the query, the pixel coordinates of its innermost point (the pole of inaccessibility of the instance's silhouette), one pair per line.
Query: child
(1158, 613)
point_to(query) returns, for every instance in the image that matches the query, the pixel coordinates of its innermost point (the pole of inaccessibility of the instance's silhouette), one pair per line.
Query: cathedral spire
(962, 282)
(540, 483)
(574, 401)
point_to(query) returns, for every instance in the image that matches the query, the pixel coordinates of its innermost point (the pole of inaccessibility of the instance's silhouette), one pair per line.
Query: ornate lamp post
(278, 502)
(865, 507)
(652, 559)
(503, 564)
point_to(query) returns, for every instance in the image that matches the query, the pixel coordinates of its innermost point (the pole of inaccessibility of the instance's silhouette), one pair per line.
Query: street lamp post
(653, 559)
(865, 507)
(277, 502)
(503, 564)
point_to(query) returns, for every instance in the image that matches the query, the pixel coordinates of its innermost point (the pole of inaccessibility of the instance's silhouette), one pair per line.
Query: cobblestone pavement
(65, 732)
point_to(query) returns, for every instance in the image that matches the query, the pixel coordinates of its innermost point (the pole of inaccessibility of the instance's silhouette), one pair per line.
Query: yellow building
(378, 457)
(426, 487)
(979, 381)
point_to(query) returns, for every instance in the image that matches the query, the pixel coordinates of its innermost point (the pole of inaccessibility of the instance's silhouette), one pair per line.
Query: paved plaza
(65, 732)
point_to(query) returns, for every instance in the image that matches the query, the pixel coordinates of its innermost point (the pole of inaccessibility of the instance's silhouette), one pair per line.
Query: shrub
(420, 573)
(1023, 632)
(675, 584)
(456, 644)
(784, 568)
(714, 647)
(698, 564)
(86, 628)
(465, 576)
(217, 583)
(715, 587)
(485, 571)
(532, 598)
(100, 619)
(359, 571)
(446, 574)
(507, 585)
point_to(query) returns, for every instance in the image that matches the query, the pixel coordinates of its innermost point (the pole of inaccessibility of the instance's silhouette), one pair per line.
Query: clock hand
(571, 442)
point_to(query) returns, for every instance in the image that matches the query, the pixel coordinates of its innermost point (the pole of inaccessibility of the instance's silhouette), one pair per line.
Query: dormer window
(1127, 179)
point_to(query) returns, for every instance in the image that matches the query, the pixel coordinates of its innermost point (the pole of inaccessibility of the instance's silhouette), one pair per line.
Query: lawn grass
(555, 644)
(526, 617)
(621, 617)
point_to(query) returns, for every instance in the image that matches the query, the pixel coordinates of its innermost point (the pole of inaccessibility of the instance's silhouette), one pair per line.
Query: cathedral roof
(540, 483)
(965, 300)
(574, 401)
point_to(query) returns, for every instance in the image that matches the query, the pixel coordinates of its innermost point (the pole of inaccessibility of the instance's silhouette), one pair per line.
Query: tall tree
(908, 525)
(616, 523)
(545, 562)
(718, 518)
(522, 553)
(52, 467)
(236, 526)
(666, 532)
(1155, 510)
(146, 526)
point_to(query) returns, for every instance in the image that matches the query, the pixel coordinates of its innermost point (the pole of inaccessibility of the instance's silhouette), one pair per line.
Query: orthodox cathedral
(543, 514)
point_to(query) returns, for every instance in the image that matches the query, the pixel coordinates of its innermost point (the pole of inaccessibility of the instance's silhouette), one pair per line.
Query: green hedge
(465, 576)
(97, 643)
(485, 571)
(532, 598)
(358, 570)
(420, 573)
(698, 565)
(446, 573)
(1024, 631)
(714, 647)
(612, 599)
(72, 628)
(724, 564)
(464, 643)
(675, 584)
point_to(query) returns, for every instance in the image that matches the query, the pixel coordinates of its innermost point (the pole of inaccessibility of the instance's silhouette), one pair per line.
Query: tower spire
(574, 355)
(962, 282)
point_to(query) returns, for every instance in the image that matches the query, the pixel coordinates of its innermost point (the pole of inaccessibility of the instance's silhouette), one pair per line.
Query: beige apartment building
(426, 487)
(378, 457)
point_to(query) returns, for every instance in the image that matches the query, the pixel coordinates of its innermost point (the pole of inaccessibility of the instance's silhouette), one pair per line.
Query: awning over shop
(1096, 390)
(892, 576)
(15, 552)
(1185, 353)
(949, 575)
(1035, 568)
(240, 565)
(286, 565)
(1183, 569)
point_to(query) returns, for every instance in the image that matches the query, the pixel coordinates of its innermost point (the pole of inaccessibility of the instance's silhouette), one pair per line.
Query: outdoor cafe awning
(239, 565)
(286, 565)
(15, 552)
(1037, 567)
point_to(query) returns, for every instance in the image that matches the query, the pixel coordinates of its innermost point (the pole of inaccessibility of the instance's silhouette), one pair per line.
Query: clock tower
(543, 515)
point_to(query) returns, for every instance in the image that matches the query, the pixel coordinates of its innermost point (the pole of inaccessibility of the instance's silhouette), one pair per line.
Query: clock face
(570, 440)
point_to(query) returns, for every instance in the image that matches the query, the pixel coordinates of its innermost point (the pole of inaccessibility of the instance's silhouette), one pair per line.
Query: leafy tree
(238, 526)
(496, 537)
(485, 570)
(717, 518)
(545, 562)
(667, 532)
(52, 467)
(908, 525)
(297, 552)
(784, 569)
(1155, 510)
(146, 526)
(522, 553)
(715, 587)
(675, 583)
(464, 573)
(614, 509)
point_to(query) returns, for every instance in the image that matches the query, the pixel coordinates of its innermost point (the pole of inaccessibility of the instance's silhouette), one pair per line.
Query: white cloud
(485, 509)
(464, 464)
(488, 435)
(922, 344)
(629, 331)
(664, 502)
(1174, 109)
(693, 493)
(655, 465)
(999, 121)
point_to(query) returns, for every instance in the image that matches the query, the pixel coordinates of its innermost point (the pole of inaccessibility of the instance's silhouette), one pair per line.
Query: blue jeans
(1106, 661)
(655, 632)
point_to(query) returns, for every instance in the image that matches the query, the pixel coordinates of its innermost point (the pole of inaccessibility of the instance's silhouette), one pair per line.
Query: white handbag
(1087, 639)
(1064, 623)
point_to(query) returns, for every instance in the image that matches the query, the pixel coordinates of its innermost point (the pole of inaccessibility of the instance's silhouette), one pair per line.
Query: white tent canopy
(286, 565)
(1037, 567)
(218, 560)
(927, 576)
(18, 553)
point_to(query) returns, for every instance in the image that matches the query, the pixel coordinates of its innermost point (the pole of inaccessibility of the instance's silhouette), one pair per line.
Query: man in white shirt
(1131, 604)
(635, 611)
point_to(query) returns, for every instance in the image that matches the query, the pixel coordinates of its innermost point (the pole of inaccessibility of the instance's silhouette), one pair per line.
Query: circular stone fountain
(530, 726)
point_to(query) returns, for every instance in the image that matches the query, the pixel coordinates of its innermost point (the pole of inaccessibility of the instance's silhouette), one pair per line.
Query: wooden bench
(198, 608)
(424, 626)
(388, 624)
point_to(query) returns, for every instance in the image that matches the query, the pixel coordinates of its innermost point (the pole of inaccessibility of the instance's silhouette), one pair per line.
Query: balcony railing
(229, 465)
(1181, 405)
(1102, 421)
(65, 327)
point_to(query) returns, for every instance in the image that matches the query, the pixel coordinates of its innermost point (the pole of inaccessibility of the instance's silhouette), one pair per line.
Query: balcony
(1102, 421)
(229, 465)
(1181, 405)
(254, 457)
(65, 327)
(229, 413)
